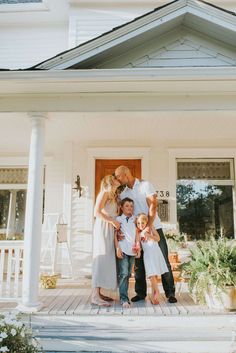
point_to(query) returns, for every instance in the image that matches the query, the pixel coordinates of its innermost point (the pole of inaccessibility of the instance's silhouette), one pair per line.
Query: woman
(104, 260)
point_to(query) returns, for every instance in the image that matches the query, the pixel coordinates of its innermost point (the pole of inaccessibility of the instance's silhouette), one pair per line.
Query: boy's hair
(126, 199)
(142, 216)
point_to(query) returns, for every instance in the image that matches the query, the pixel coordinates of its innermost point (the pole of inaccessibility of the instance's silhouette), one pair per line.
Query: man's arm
(152, 212)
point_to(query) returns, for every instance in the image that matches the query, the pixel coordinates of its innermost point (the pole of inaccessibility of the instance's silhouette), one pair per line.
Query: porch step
(196, 334)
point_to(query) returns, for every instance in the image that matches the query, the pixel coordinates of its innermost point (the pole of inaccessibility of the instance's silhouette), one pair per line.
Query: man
(145, 201)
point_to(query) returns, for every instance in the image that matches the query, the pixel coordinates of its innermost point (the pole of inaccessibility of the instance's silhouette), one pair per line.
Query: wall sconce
(78, 187)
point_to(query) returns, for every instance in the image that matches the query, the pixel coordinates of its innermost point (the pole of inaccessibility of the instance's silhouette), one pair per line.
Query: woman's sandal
(100, 302)
(107, 299)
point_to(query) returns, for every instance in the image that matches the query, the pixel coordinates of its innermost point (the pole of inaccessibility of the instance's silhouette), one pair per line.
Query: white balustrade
(11, 267)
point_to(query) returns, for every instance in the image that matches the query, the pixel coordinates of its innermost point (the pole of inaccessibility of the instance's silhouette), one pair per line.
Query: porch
(67, 322)
(74, 297)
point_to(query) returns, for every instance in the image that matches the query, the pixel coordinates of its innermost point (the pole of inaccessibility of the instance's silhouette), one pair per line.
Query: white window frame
(18, 162)
(199, 154)
(25, 7)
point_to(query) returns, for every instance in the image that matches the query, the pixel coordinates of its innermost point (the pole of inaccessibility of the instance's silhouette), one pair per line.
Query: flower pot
(173, 257)
(221, 300)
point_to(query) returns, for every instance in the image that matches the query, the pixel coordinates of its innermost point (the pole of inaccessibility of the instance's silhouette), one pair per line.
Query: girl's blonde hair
(106, 185)
(141, 216)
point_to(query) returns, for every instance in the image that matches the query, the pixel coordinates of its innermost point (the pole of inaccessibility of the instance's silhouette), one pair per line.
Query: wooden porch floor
(73, 298)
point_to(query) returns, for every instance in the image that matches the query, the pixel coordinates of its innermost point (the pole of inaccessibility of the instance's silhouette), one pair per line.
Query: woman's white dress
(153, 258)
(104, 260)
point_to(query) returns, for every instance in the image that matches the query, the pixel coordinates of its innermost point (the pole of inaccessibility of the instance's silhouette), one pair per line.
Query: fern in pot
(212, 273)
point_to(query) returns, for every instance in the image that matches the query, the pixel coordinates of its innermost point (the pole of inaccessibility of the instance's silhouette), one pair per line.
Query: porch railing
(11, 268)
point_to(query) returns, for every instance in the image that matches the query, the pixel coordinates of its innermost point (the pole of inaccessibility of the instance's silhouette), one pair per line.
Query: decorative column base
(31, 308)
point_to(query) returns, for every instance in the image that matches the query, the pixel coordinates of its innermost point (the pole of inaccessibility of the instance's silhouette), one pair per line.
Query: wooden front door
(108, 166)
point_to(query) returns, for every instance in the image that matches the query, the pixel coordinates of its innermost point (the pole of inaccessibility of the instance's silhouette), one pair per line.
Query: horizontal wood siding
(24, 46)
(90, 23)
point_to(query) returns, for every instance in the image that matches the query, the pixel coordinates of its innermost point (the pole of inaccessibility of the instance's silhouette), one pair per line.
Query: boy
(126, 249)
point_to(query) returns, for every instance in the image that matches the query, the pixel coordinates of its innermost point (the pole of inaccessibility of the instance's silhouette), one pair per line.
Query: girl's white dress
(104, 258)
(153, 258)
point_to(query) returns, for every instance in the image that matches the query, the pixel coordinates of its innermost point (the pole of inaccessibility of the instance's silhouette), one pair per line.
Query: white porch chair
(54, 233)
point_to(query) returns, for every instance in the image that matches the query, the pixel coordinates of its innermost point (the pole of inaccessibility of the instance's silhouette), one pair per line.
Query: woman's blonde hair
(106, 185)
(141, 216)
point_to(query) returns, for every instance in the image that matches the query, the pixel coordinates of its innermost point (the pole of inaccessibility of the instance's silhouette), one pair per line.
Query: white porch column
(33, 217)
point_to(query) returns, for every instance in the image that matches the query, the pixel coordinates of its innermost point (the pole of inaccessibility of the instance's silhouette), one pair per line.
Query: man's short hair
(126, 199)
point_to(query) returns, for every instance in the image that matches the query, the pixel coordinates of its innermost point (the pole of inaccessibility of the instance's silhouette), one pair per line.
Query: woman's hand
(120, 236)
(138, 254)
(116, 224)
(119, 253)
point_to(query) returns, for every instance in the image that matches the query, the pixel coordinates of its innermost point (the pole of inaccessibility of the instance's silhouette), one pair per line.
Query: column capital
(37, 115)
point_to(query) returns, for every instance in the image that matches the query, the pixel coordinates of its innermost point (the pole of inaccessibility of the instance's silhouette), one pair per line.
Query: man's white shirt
(139, 193)
(128, 229)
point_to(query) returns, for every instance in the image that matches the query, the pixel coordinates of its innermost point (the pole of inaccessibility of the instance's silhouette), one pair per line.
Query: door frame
(142, 153)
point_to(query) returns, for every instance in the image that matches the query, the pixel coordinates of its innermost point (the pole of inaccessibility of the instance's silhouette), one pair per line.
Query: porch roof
(161, 89)
(198, 15)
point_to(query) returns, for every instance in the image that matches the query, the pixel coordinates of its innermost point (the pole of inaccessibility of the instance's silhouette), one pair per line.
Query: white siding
(90, 23)
(24, 46)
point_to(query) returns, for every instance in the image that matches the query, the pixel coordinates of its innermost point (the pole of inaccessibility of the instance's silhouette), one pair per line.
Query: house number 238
(162, 193)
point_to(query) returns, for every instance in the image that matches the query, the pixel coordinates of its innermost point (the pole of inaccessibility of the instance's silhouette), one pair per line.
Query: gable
(127, 45)
(180, 48)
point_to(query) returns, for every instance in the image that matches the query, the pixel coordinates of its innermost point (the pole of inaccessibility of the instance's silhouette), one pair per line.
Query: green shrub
(211, 263)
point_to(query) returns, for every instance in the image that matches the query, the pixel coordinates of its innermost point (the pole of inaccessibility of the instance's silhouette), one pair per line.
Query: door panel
(108, 166)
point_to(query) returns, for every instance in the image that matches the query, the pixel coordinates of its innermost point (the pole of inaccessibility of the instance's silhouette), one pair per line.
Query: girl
(104, 259)
(154, 261)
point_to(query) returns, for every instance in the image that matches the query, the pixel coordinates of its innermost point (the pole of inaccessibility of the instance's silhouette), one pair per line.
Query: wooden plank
(70, 297)
(74, 304)
(49, 301)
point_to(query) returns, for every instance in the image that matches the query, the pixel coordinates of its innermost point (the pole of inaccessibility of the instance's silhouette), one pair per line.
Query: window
(19, 1)
(13, 192)
(205, 198)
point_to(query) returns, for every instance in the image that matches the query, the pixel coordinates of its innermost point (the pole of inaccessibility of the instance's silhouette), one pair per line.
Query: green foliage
(211, 263)
(15, 337)
(175, 240)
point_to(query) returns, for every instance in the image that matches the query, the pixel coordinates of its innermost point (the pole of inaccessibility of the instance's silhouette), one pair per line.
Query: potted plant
(15, 337)
(211, 271)
(175, 241)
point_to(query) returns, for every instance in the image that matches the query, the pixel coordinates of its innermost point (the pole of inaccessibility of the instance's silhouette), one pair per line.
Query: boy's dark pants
(167, 278)
(124, 273)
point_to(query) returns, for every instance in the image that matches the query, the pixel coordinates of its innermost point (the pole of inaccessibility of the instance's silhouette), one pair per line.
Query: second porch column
(33, 217)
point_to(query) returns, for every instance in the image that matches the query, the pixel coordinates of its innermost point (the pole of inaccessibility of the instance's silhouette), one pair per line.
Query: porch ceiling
(154, 129)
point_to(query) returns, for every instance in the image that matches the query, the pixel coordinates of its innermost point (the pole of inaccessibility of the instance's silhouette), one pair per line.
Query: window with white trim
(13, 192)
(205, 197)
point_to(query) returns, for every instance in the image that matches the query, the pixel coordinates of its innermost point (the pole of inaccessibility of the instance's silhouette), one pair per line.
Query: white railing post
(11, 262)
(33, 217)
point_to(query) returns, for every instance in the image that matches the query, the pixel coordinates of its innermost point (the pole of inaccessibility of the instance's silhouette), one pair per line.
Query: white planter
(221, 300)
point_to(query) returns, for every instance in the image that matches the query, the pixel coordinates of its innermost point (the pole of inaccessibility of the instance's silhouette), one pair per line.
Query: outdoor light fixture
(78, 187)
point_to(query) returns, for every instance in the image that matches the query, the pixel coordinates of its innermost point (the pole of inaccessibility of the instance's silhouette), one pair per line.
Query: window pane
(204, 170)
(4, 208)
(204, 209)
(13, 175)
(20, 212)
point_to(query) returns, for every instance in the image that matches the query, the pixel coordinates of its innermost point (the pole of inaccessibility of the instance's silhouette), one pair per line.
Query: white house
(157, 92)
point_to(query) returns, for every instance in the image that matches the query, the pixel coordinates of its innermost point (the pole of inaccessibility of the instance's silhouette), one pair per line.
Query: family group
(128, 234)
